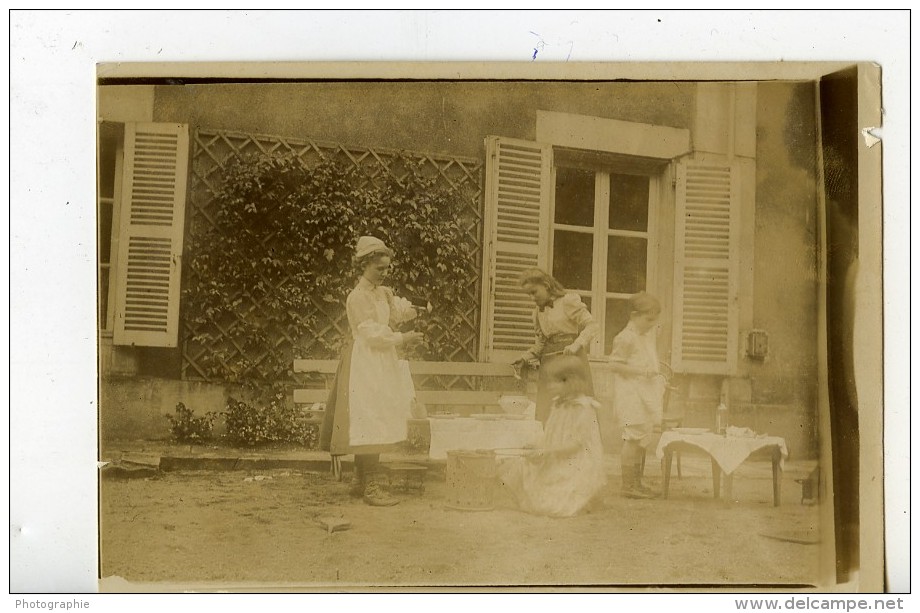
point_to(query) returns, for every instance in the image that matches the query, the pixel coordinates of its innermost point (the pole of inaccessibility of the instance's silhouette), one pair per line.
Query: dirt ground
(240, 528)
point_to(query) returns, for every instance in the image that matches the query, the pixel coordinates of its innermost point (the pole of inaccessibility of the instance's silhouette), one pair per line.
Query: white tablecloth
(471, 433)
(729, 452)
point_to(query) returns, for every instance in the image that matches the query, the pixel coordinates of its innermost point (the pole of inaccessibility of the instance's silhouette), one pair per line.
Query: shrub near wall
(274, 262)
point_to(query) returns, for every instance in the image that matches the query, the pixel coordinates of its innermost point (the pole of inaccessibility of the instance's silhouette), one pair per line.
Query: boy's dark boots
(375, 493)
(631, 469)
(644, 488)
(630, 487)
(640, 473)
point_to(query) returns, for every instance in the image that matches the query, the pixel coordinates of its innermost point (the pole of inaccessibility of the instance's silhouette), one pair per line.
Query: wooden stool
(407, 477)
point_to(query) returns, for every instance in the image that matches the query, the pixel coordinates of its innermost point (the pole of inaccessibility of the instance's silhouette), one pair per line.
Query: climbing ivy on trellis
(273, 261)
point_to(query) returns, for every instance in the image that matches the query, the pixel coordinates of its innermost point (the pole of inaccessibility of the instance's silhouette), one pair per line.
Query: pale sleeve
(362, 315)
(623, 349)
(580, 316)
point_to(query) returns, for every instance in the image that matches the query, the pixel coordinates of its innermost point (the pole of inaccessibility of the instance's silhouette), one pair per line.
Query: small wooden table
(726, 453)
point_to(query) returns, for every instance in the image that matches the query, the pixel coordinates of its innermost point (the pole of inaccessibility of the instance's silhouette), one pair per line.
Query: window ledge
(612, 135)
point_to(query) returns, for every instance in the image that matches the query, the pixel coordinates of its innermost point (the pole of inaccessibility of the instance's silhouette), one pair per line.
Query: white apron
(379, 394)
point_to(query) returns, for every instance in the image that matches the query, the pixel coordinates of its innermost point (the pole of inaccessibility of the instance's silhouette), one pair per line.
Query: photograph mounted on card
(432, 316)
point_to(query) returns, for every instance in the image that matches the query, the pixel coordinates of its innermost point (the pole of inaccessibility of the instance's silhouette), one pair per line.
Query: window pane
(106, 168)
(574, 197)
(105, 232)
(573, 253)
(628, 202)
(626, 261)
(616, 318)
(103, 298)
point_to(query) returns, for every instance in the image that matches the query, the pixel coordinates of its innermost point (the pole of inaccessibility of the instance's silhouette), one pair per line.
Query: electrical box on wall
(757, 344)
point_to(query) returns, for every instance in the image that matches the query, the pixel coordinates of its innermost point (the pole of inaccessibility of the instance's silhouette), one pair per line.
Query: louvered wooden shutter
(705, 338)
(517, 202)
(150, 238)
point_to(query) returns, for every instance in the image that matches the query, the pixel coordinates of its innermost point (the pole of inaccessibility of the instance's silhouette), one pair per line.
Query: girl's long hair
(538, 276)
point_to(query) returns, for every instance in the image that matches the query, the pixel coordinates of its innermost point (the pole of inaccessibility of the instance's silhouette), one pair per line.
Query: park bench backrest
(465, 402)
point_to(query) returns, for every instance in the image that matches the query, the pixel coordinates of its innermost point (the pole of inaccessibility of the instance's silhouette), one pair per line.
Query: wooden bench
(464, 402)
(497, 379)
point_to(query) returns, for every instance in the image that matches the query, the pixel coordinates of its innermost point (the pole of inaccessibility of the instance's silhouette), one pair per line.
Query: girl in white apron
(370, 403)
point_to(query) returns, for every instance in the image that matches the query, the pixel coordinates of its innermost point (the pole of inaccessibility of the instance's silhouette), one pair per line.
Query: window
(141, 179)
(600, 241)
(591, 218)
(110, 158)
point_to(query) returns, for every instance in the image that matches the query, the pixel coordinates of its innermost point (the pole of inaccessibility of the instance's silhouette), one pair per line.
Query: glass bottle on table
(721, 418)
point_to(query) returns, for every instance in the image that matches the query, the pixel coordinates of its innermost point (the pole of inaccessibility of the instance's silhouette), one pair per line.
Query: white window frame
(114, 201)
(599, 294)
(624, 147)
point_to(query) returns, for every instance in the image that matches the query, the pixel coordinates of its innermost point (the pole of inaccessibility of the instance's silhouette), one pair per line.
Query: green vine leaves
(275, 263)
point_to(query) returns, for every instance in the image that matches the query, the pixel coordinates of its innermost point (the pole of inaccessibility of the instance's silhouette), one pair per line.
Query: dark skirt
(333, 435)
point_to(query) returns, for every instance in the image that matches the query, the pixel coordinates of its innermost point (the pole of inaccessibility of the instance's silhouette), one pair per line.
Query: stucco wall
(135, 407)
(434, 117)
(785, 297)
(125, 102)
(786, 242)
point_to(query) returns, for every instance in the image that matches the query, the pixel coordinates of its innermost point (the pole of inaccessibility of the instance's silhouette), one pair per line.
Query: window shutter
(150, 237)
(517, 204)
(705, 338)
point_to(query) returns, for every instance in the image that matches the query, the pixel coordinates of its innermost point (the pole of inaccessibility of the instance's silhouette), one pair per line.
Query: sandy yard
(237, 528)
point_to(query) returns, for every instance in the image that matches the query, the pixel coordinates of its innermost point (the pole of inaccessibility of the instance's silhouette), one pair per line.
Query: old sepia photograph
(489, 327)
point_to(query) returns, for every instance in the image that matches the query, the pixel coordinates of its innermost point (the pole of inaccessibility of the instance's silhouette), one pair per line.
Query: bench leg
(335, 467)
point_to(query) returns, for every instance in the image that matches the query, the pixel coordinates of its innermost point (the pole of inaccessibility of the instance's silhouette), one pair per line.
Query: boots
(640, 473)
(631, 487)
(649, 492)
(374, 493)
(631, 470)
(357, 483)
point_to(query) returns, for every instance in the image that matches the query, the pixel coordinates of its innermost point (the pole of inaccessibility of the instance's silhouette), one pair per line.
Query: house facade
(702, 193)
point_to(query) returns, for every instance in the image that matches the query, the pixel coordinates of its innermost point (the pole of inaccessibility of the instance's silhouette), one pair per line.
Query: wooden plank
(309, 396)
(483, 369)
(325, 367)
(480, 369)
(460, 398)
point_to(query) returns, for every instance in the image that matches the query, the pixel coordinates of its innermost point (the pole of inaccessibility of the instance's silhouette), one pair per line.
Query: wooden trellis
(212, 150)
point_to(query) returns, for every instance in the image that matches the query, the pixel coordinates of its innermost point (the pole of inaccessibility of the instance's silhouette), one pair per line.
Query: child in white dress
(566, 473)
